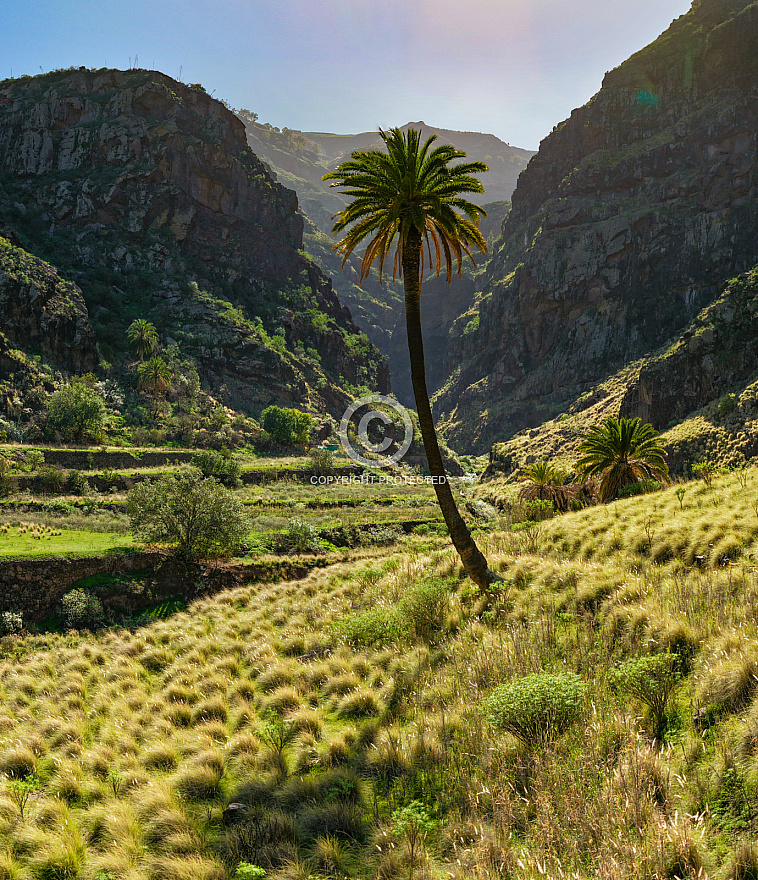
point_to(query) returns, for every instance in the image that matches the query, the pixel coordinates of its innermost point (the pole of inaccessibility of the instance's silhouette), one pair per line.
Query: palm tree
(143, 338)
(621, 451)
(155, 375)
(545, 482)
(408, 197)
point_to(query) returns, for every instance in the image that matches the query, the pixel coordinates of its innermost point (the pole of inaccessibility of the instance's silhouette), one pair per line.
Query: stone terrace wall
(93, 459)
(35, 586)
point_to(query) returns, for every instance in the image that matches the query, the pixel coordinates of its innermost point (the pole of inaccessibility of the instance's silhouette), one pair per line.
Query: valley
(244, 637)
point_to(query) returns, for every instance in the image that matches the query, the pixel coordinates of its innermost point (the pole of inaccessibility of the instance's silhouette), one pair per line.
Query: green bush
(11, 623)
(425, 608)
(286, 426)
(246, 871)
(195, 514)
(652, 680)
(51, 480)
(76, 411)
(76, 483)
(537, 707)
(321, 461)
(224, 468)
(373, 627)
(299, 537)
(81, 610)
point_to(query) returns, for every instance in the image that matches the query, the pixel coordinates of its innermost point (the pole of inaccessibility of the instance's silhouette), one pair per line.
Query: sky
(514, 68)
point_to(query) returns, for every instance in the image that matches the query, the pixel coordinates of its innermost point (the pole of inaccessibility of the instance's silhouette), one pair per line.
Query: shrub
(414, 824)
(652, 680)
(76, 411)
(286, 426)
(425, 608)
(224, 468)
(246, 871)
(51, 480)
(299, 537)
(196, 514)
(76, 483)
(81, 610)
(375, 626)
(11, 623)
(321, 461)
(537, 707)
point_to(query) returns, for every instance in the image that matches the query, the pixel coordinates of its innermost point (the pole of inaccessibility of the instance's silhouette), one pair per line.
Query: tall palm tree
(409, 197)
(621, 451)
(143, 338)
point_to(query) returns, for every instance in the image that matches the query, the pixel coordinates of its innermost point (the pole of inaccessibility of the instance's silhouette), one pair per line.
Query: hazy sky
(511, 67)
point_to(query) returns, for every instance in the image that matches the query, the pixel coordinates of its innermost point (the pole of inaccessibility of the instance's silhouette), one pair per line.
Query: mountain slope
(145, 193)
(623, 226)
(300, 159)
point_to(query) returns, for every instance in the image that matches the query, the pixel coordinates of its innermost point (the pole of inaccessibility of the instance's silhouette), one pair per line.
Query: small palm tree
(143, 338)
(406, 198)
(545, 482)
(154, 375)
(620, 452)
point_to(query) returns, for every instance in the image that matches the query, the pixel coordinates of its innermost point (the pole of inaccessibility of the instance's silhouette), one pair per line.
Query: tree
(408, 197)
(143, 338)
(285, 425)
(154, 375)
(195, 514)
(545, 482)
(76, 411)
(621, 451)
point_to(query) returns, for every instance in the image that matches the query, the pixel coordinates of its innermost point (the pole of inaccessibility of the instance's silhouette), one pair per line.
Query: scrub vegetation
(593, 715)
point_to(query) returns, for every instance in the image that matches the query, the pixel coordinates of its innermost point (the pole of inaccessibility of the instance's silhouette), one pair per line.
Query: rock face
(41, 312)
(138, 186)
(717, 353)
(622, 227)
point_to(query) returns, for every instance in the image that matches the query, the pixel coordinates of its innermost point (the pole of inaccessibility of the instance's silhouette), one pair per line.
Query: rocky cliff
(622, 228)
(145, 192)
(43, 313)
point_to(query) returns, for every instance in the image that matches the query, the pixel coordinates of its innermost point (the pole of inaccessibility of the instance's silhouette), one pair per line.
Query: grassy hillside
(348, 708)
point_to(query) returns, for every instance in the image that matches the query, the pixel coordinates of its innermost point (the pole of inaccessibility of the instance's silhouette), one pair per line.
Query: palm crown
(409, 190)
(621, 451)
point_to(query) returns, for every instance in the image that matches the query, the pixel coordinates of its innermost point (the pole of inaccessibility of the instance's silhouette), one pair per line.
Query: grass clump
(537, 707)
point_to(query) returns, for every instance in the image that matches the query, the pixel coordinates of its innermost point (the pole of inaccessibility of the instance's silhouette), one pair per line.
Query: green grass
(35, 540)
(330, 704)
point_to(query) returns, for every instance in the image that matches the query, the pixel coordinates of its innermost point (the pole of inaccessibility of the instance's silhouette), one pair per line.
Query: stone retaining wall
(35, 586)
(97, 459)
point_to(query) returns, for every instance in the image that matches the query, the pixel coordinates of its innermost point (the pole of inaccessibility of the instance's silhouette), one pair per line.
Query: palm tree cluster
(613, 454)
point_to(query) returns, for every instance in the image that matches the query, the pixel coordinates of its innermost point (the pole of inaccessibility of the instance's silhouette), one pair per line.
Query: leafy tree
(405, 198)
(143, 338)
(195, 514)
(76, 411)
(544, 482)
(285, 425)
(621, 451)
(154, 375)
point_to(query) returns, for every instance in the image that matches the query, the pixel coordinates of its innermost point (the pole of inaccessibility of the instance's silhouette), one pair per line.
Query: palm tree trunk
(472, 557)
